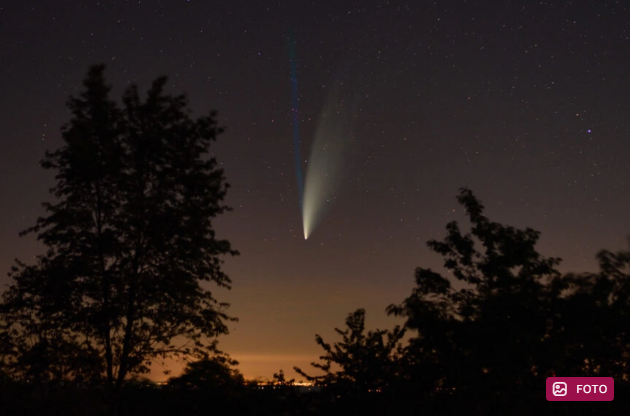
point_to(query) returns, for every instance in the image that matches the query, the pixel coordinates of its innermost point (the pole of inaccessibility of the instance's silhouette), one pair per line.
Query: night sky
(524, 102)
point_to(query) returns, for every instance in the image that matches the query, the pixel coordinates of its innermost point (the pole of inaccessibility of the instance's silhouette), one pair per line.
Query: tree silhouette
(592, 337)
(130, 242)
(360, 362)
(505, 319)
(487, 338)
(210, 372)
(488, 332)
(280, 378)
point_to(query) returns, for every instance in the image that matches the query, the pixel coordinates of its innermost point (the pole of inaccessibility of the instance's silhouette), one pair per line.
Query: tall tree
(487, 335)
(131, 245)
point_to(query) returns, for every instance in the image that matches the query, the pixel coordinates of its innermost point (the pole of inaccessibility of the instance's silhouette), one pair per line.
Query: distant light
(589, 130)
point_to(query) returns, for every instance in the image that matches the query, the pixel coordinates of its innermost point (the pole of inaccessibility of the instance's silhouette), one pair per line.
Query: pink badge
(580, 389)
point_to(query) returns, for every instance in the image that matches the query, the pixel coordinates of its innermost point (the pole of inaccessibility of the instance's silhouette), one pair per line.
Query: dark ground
(155, 401)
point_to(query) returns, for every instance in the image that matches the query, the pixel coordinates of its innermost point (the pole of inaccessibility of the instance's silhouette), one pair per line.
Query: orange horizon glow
(252, 366)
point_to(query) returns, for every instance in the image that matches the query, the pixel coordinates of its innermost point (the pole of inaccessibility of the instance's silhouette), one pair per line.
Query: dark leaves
(130, 237)
(365, 362)
(512, 319)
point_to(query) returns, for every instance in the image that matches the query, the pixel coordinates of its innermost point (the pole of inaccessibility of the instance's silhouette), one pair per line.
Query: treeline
(483, 338)
(480, 340)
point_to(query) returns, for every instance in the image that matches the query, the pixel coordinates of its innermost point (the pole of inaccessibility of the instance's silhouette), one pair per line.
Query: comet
(323, 172)
(324, 166)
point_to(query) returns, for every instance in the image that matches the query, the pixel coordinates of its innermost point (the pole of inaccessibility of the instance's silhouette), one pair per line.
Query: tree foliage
(492, 326)
(131, 248)
(280, 379)
(360, 362)
(487, 331)
(591, 335)
(210, 372)
(505, 318)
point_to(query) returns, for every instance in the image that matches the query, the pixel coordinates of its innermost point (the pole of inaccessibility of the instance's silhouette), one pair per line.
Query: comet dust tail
(324, 167)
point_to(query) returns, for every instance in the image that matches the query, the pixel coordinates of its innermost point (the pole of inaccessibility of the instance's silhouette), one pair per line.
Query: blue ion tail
(325, 162)
(296, 123)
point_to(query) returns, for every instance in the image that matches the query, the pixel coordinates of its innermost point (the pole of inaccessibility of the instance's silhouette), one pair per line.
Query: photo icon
(559, 389)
